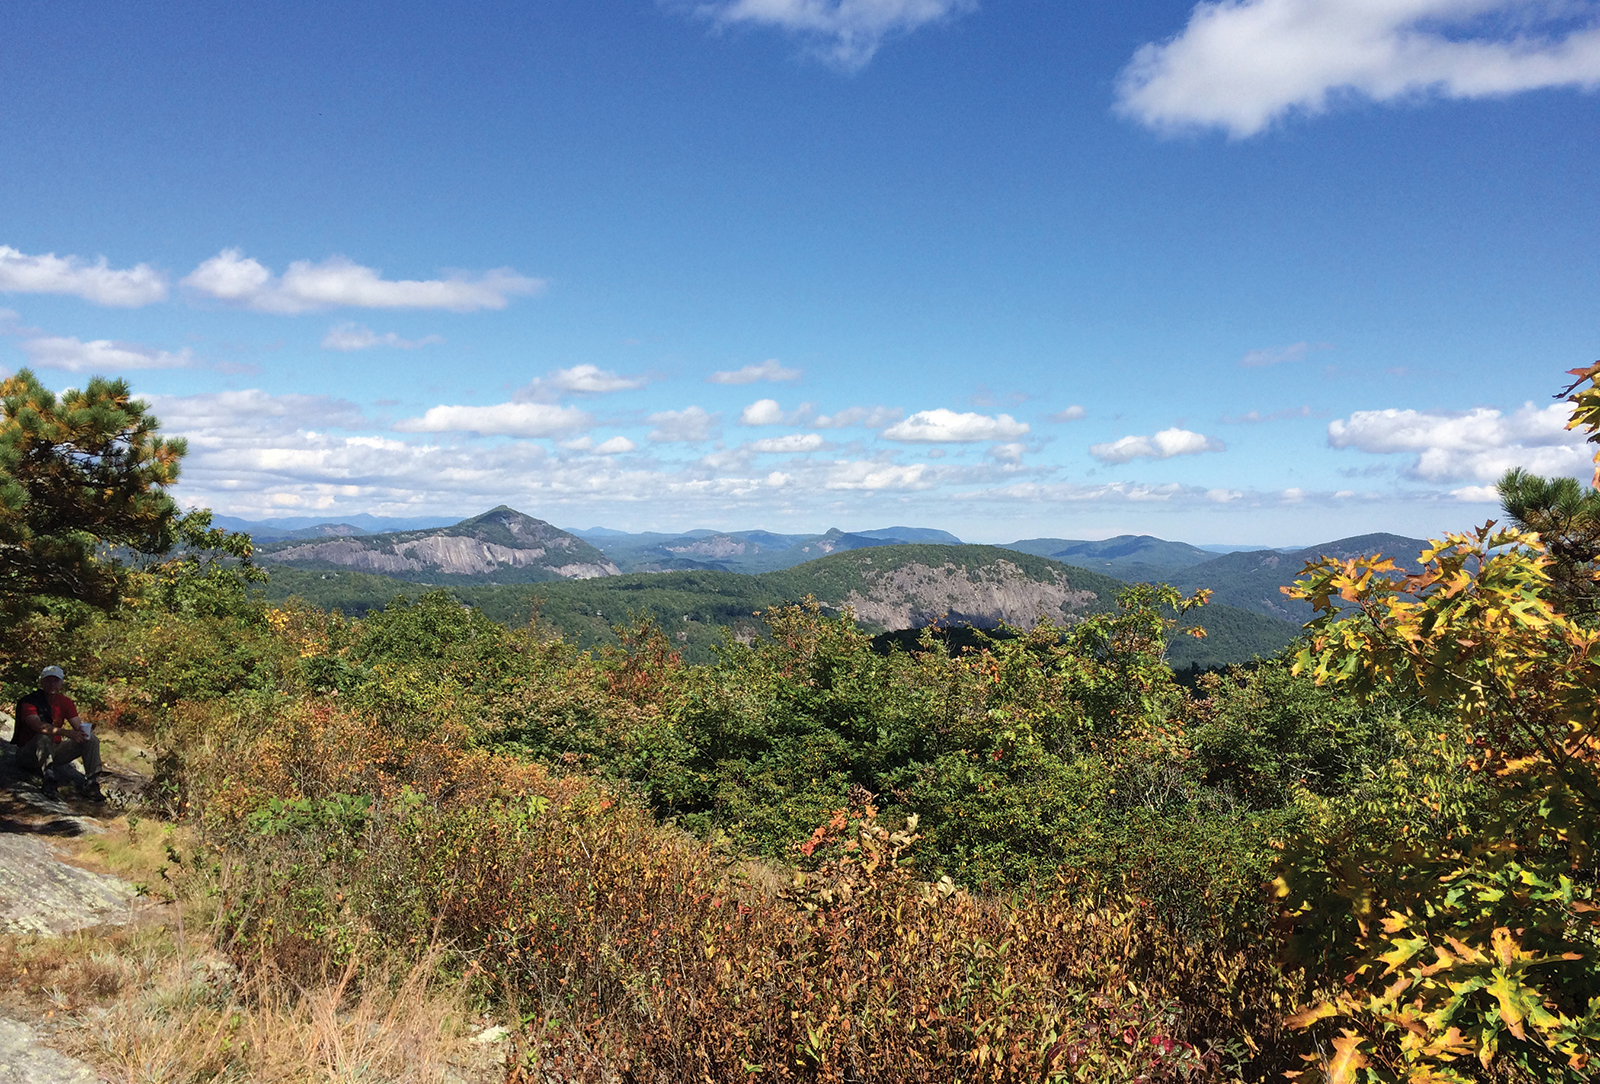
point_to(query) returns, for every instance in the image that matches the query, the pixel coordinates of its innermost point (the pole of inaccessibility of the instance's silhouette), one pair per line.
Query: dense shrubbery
(426, 773)
(1039, 858)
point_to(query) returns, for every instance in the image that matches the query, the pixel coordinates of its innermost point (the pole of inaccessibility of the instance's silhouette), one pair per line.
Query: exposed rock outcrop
(24, 1059)
(502, 542)
(915, 595)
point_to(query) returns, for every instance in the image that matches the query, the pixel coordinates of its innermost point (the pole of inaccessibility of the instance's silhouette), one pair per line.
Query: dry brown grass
(145, 1009)
(199, 1020)
(154, 1002)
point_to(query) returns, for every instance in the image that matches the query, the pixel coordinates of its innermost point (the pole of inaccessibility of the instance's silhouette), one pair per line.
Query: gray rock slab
(41, 894)
(24, 1059)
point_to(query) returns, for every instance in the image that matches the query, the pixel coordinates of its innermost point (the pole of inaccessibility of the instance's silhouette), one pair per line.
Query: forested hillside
(888, 589)
(1255, 580)
(1037, 857)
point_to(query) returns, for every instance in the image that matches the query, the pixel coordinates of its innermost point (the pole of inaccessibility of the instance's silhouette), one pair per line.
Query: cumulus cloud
(351, 336)
(98, 282)
(254, 454)
(794, 443)
(1478, 445)
(232, 277)
(501, 419)
(615, 446)
(770, 370)
(1239, 65)
(687, 426)
(879, 474)
(101, 355)
(769, 412)
(1070, 414)
(946, 426)
(1007, 453)
(252, 412)
(765, 412)
(844, 32)
(578, 380)
(1164, 445)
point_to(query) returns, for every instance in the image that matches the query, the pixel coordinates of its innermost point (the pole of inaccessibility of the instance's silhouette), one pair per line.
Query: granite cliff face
(502, 545)
(985, 596)
(713, 547)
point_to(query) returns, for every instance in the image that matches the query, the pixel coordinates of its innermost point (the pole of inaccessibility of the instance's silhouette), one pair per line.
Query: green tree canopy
(1566, 515)
(80, 474)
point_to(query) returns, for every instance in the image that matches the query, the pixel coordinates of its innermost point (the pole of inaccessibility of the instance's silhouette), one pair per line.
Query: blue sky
(1268, 271)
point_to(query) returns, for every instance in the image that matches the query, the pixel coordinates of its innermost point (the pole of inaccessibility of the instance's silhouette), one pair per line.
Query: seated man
(49, 731)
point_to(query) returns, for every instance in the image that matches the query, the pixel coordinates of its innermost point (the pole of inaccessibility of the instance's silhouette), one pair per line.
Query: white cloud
(1071, 414)
(687, 426)
(226, 413)
(769, 412)
(501, 419)
(578, 380)
(1007, 453)
(1224, 496)
(765, 412)
(1111, 493)
(1477, 494)
(845, 32)
(857, 474)
(306, 287)
(946, 426)
(1479, 445)
(1164, 445)
(101, 355)
(770, 370)
(726, 459)
(97, 282)
(352, 336)
(793, 443)
(615, 446)
(1239, 65)
(256, 454)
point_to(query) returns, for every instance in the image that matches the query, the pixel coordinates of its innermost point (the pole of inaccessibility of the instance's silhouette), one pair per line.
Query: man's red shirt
(61, 709)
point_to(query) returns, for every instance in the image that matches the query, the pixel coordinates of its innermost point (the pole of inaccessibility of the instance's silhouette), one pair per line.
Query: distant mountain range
(965, 583)
(890, 589)
(500, 546)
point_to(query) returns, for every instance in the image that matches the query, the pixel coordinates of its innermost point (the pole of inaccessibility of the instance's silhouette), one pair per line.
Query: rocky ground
(46, 890)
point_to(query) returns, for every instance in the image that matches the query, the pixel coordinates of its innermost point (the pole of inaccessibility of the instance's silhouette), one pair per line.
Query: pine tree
(81, 474)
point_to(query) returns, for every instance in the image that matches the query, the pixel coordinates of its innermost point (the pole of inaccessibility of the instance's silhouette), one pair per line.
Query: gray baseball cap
(53, 671)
